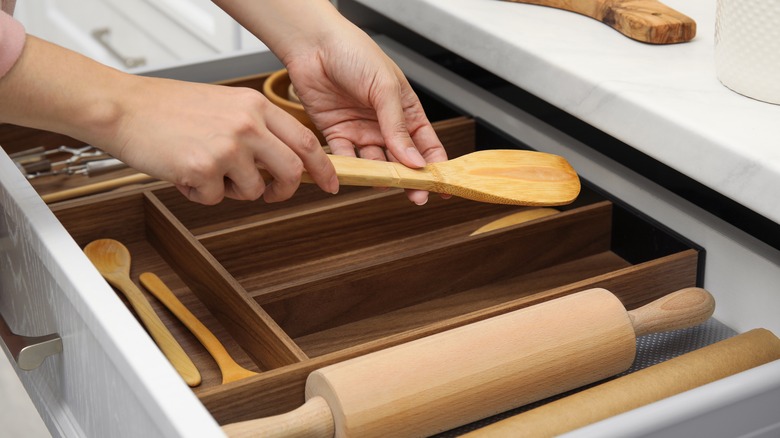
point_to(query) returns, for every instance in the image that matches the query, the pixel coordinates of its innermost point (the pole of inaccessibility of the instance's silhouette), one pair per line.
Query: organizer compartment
(137, 227)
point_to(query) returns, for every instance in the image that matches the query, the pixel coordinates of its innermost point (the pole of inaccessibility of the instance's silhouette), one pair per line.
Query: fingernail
(415, 158)
(423, 202)
(334, 185)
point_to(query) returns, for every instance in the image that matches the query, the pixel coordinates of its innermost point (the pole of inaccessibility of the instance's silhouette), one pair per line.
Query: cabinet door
(201, 19)
(96, 30)
(109, 380)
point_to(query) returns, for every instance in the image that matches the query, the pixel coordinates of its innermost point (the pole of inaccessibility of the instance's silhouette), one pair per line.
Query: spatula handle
(361, 172)
(682, 309)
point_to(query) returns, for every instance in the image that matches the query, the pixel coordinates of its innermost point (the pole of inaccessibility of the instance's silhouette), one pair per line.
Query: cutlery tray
(294, 286)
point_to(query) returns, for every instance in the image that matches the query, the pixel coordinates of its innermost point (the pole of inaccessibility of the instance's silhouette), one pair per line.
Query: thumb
(392, 125)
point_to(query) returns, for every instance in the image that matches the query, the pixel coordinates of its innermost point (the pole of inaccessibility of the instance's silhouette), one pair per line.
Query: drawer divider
(246, 321)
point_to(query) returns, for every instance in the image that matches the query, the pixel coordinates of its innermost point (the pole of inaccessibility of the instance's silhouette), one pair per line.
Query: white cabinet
(137, 35)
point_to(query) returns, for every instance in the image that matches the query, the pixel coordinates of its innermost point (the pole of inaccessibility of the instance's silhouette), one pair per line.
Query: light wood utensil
(649, 21)
(514, 219)
(496, 176)
(112, 260)
(98, 187)
(231, 370)
(691, 370)
(458, 376)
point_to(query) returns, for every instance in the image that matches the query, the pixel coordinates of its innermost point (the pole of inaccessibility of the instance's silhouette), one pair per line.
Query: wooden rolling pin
(649, 21)
(699, 367)
(456, 377)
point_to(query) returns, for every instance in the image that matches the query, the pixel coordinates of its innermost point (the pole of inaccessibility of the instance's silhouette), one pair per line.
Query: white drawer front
(109, 380)
(126, 37)
(201, 18)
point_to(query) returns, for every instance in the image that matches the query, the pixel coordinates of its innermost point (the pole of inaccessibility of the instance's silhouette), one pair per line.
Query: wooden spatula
(497, 176)
(649, 21)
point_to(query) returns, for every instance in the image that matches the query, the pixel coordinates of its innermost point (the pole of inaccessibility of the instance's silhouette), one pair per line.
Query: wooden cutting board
(649, 21)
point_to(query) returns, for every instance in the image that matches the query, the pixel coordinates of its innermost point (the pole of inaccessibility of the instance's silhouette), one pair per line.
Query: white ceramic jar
(747, 47)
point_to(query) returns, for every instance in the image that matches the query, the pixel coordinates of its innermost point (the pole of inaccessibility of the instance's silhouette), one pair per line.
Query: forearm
(55, 89)
(286, 26)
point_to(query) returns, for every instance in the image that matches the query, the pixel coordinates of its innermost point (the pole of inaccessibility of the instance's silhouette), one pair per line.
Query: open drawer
(291, 287)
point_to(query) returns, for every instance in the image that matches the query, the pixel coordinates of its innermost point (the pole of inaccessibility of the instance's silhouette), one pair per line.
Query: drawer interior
(294, 286)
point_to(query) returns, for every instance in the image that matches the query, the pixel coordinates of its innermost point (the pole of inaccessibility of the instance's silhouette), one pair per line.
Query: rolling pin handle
(312, 420)
(682, 309)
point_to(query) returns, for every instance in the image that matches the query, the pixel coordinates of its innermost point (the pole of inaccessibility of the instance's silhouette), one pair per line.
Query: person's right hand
(209, 140)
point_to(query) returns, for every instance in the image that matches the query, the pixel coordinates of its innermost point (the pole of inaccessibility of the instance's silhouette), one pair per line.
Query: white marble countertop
(663, 100)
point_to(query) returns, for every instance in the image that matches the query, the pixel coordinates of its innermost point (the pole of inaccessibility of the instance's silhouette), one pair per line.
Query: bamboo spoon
(514, 219)
(231, 371)
(112, 259)
(497, 176)
(452, 378)
(649, 21)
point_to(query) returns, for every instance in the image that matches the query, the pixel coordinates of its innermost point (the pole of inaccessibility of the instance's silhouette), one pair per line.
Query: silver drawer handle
(102, 34)
(29, 351)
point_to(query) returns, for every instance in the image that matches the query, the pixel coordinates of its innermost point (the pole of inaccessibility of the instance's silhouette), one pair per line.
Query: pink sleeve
(12, 38)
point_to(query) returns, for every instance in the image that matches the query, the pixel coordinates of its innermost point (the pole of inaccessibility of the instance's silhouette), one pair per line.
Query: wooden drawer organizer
(294, 286)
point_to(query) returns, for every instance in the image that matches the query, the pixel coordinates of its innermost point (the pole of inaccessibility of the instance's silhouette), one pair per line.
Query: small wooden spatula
(497, 176)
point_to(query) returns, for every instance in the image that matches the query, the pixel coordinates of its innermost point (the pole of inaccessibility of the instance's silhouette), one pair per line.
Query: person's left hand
(362, 103)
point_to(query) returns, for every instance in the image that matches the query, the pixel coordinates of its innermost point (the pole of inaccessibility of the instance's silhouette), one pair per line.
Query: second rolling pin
(688, 371)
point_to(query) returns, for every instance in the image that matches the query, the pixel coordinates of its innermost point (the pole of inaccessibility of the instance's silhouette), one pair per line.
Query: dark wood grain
(88, 221)
(450, 306)
(281, 390)
(15, 138)
(300, 235)
(457, 135)
(364, 282)
(243, 318)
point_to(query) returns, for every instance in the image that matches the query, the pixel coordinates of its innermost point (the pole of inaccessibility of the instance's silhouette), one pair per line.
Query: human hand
(209, 140)
(355, 95)
(362, 103)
